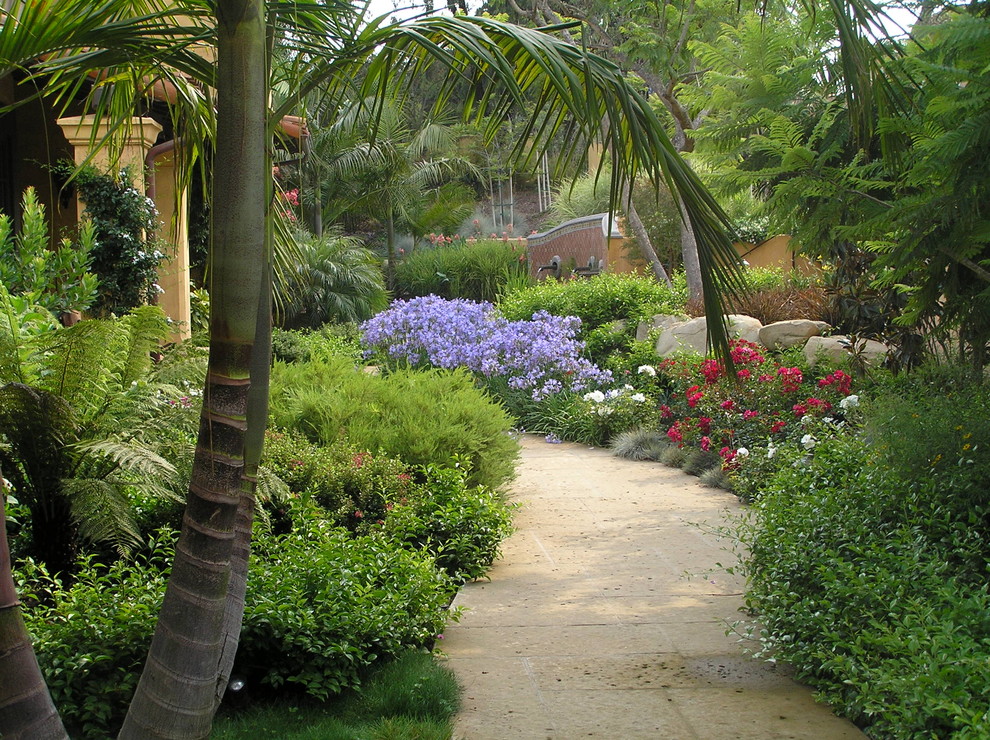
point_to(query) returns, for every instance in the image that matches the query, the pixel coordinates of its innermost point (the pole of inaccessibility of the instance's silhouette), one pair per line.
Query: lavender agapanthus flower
(541, 355)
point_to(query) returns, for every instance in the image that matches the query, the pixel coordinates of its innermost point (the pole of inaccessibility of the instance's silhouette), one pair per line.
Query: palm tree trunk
(390, 251)
(175, 697)
(254, 440)
(26, 708)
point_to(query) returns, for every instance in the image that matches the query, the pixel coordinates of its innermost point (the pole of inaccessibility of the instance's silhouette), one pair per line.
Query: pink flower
(674, 433)
(704, 424)
(743, 374)
(750, 414)
(665, 412)
(706, 443)
(728, 405)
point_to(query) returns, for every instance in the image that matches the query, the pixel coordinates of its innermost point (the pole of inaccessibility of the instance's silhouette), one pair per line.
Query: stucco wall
(775, 252)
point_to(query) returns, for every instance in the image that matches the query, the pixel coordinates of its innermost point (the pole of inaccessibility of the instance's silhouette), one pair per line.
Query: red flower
(750, 414)
(704, 424)
(665, 412)
(743, 374)
(777, 426)
(728, 405)
(706, 443)
(674, 433)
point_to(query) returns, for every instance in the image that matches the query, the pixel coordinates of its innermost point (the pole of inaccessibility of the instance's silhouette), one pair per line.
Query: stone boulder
(784, 334)
(838, 349)
(659, 321)
(692, 336)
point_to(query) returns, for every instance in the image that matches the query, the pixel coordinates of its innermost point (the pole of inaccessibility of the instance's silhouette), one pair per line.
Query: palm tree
(392, 170)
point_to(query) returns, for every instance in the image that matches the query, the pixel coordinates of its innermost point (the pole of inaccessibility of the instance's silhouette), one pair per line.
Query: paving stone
(607, 616)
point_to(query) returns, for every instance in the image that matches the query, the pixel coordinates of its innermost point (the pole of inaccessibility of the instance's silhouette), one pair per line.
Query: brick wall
(575, 242)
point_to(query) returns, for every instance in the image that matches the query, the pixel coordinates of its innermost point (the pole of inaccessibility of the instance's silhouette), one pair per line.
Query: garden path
(606, 616)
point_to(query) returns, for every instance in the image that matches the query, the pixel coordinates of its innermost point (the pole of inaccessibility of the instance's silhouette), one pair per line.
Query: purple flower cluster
(541, 355)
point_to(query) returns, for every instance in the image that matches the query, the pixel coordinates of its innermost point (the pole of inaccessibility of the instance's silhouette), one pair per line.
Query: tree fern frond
(102, 512)
(142, 466)
(146, 328)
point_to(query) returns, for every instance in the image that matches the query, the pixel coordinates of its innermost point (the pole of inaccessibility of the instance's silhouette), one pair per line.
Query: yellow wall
(775, 252)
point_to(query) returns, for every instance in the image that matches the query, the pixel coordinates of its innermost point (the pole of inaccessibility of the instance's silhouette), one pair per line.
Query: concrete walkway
(606, 616)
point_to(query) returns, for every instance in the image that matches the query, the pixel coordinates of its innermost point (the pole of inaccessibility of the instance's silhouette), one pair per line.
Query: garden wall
(775, 252)
(581, 243)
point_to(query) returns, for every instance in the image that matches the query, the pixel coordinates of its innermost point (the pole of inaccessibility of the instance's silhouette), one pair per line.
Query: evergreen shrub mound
(597, 301)
(874, 587)
(422, 417)
(477, 271)
(351, 486)
(461, 525)
(322, 605)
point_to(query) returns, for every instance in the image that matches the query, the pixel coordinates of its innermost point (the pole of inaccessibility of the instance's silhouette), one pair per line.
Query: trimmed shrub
(597, 301)
(421, 417)
(861, 586)
(322, 605)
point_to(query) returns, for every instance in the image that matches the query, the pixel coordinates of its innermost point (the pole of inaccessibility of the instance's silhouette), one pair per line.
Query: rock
(659, 321)
(744, 327)
(692, 336)
(784, 334)
(837, 349)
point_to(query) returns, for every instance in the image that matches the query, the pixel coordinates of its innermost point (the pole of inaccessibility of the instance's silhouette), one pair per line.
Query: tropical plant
(391, 172)
(59, 279)
(72, 408)
(336, 280)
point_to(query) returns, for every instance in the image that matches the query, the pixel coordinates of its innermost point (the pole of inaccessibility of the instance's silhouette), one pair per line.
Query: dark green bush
(93, 638)
(330, 340)
(461, 525)
(477, 271)
(860, 585)
(428, 417)
(322, 605)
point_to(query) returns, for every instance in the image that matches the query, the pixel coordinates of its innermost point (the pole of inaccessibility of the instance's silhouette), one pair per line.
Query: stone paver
(606, 616)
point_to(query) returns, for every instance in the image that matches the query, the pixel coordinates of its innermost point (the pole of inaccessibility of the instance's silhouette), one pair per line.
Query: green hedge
(431, 417)
(868, 584)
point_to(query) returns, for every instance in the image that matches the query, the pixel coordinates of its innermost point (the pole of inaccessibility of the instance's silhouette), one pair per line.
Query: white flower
(647, 370)
(627, 387)
(596, 396)
(808, 442)
(849, 402)
(742, 452)
(771, 451)
(806, 420)
(603, 410)
(638, 397)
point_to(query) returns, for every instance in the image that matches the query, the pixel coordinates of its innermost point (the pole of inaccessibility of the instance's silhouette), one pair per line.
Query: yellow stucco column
(173, 274)
(83, 132)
